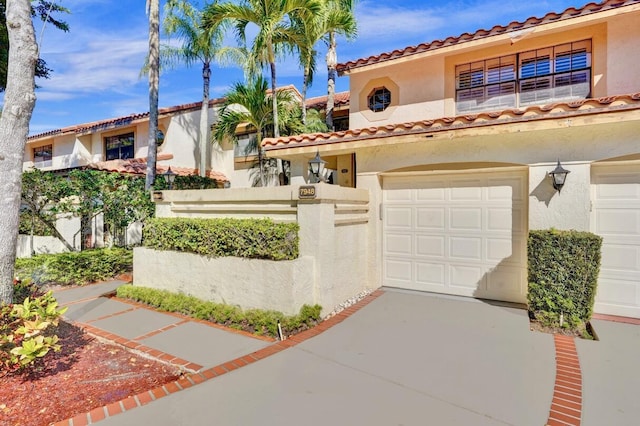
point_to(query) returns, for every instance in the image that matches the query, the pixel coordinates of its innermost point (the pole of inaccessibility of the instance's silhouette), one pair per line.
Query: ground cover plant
(563, 268)
(255, 321)
(75, 268)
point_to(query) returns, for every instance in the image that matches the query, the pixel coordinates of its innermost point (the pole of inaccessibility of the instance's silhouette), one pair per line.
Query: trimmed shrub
(248, 238)
(75, 268)
(563, 275)
(256, 321)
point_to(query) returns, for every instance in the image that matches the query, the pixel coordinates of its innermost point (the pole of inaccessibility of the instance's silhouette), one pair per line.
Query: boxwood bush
(563, 275)
(248, 238)
(75, 268)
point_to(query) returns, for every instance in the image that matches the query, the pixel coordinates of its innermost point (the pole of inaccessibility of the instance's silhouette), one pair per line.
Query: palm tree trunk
(305, 86)
(154, 82)
(276, 128)
(204, 119)
(332, 63)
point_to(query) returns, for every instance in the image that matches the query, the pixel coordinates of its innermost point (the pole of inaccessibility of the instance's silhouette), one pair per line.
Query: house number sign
(307, 192)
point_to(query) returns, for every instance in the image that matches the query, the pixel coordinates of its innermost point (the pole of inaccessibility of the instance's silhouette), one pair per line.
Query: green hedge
(563, 275)
(248, 238)
(257, 321)
(75, 268)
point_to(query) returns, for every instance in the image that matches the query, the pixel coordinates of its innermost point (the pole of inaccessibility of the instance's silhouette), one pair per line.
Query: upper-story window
(379, 99)
(245, 146)
(539, 76)
(42, 156)
(119, 146)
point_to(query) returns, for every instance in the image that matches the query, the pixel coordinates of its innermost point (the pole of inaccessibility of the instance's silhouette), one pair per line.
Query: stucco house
(454, 139)
(120, 145)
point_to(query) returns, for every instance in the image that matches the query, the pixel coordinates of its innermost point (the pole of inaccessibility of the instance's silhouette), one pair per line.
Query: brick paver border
(566, 406)
(144, 398)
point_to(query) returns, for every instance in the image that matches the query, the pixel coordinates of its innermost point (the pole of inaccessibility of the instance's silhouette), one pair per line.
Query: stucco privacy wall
(40, 245)
(333, 249)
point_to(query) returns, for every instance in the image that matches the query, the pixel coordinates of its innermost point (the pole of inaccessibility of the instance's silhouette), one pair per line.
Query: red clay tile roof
(320, 102)
(569, 13)
(138, 166)
(508, 116)
(122, 121)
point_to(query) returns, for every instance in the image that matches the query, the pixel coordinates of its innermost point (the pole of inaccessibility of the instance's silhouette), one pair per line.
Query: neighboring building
(120, 144)
(455, 139)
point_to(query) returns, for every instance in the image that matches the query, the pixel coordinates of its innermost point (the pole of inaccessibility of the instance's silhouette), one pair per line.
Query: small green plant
(256, 321)
(247, 238)
(26, 331)
(75, 268)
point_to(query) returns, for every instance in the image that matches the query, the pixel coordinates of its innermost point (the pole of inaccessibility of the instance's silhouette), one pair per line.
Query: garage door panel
(431, 245)
(466, 191)
(398, 244)
(464, 233)
(399, 217)
(432, 274)
(466, 248)
(398, 270)
(617, 293)
(616, 218)
(618, 221)
(461, 218)
(431, 218)
(621, 257)
(437, 193)
(499, 249)
(467, 277)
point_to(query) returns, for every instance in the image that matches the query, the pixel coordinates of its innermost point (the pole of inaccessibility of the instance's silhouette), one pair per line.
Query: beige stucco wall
(334, 249)
(426, 83)
(41, 245)
(249, 283)
(623, 60)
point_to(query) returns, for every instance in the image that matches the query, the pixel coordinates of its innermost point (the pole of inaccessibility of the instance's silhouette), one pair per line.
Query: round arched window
(379, 99)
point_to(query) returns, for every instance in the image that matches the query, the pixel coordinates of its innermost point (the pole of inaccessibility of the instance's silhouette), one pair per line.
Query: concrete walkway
(396, 358)
(162, 335)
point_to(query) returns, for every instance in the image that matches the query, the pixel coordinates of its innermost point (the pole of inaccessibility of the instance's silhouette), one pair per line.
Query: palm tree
(319, 27)
(153, 9)
(276, 32)
(250, 104)
(199, 45)
(347, 6)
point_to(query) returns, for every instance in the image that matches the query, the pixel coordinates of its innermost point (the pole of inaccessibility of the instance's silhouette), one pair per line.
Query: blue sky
(96, 65)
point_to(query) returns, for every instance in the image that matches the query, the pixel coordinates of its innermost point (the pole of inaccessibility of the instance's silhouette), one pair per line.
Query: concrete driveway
(404, 359)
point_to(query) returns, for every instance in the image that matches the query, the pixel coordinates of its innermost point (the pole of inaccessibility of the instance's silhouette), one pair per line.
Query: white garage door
(461, 234)
(616, 218)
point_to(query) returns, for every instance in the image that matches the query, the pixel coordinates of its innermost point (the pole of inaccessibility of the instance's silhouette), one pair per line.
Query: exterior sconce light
(558, 176)
(317, 166)
(169, 177)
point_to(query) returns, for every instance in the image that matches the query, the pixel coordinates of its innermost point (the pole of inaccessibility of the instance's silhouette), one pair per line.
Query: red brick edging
(566, 406)
(144, 398)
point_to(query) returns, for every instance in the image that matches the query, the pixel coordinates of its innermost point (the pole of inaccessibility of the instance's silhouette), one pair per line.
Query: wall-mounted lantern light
(558, 176)
(317, 166)
(169, 177)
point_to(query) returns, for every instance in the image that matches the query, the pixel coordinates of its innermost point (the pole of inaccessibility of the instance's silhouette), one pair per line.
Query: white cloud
(378, 21)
